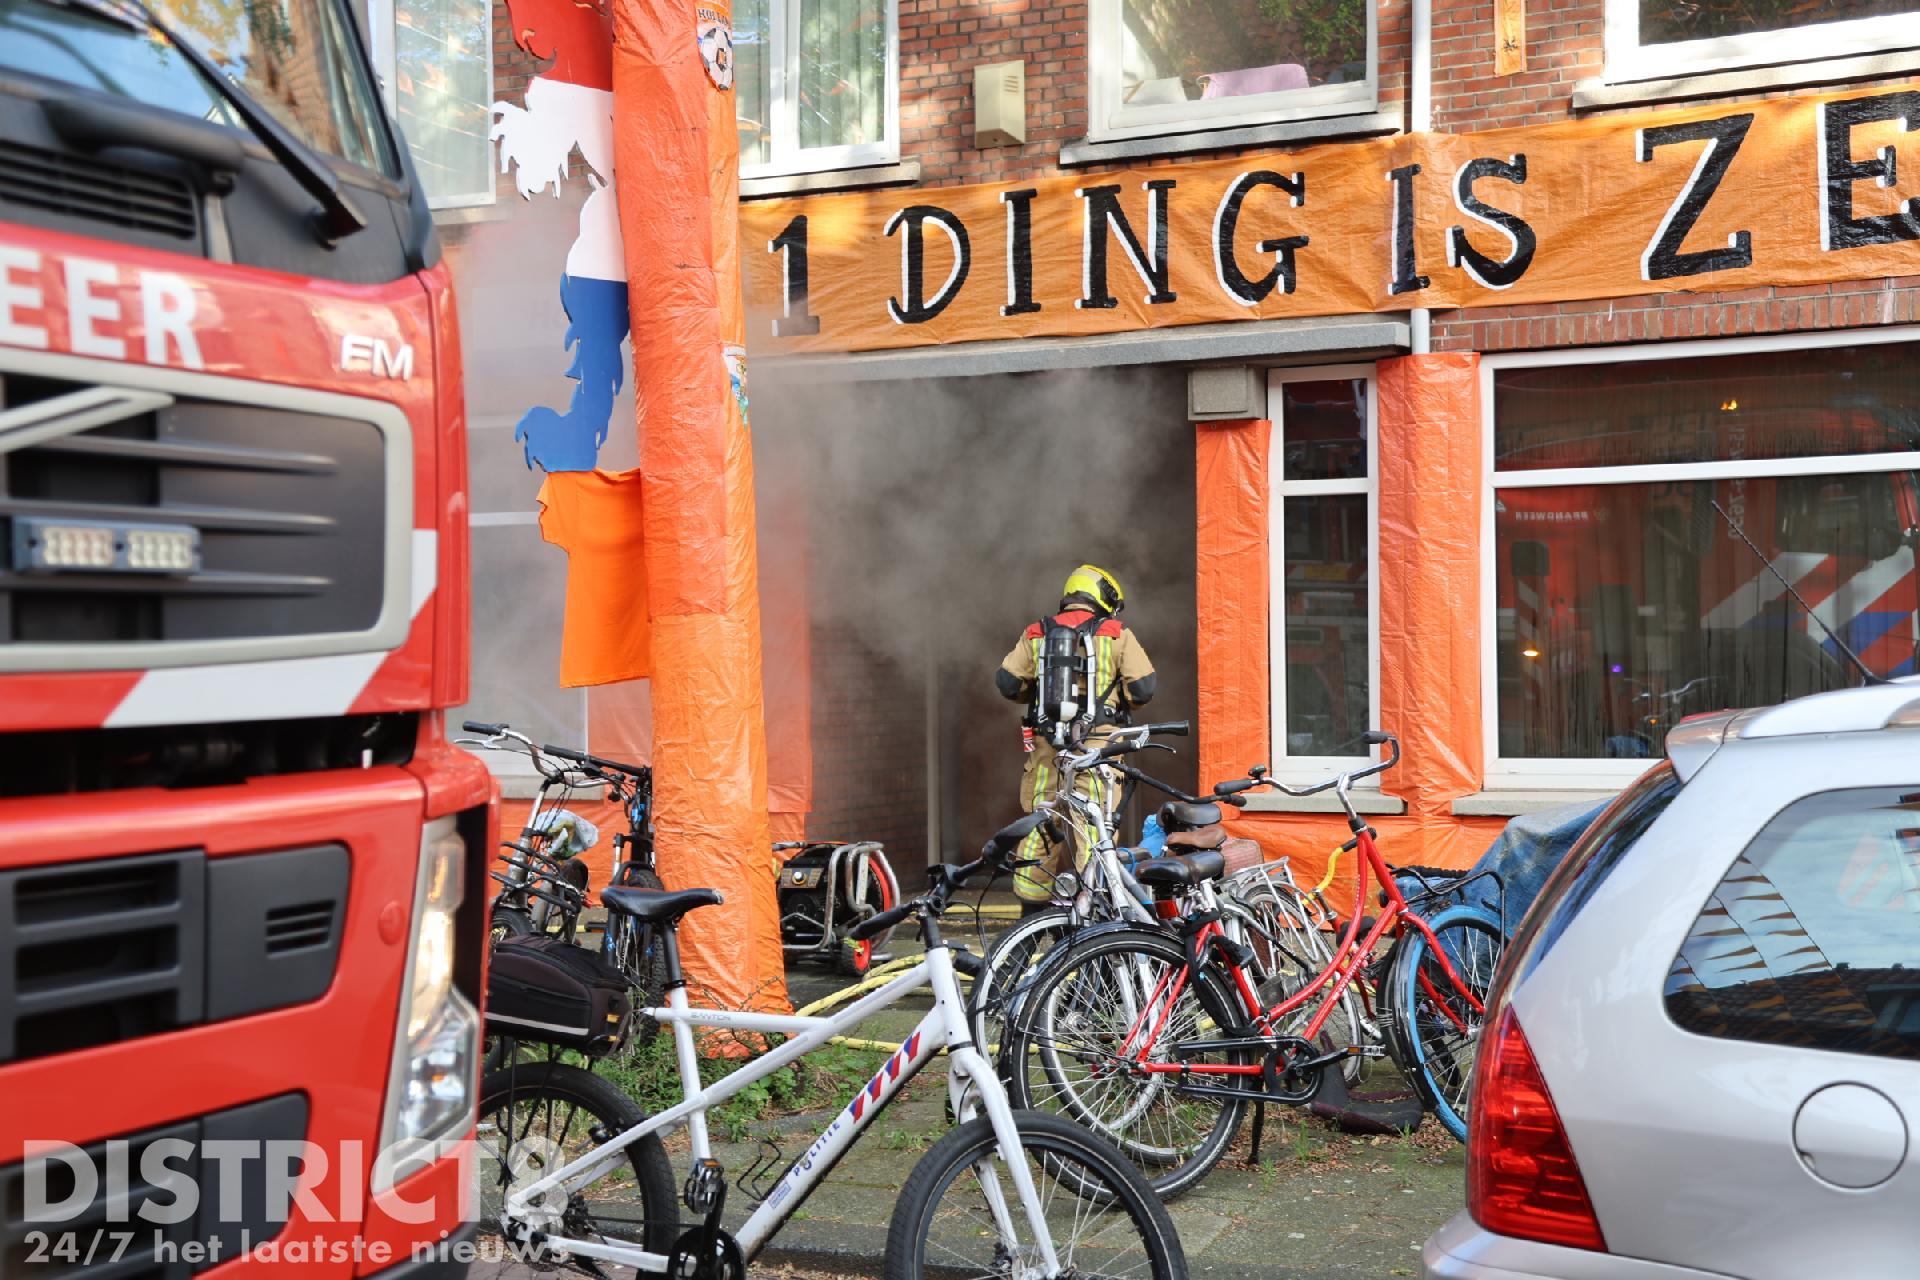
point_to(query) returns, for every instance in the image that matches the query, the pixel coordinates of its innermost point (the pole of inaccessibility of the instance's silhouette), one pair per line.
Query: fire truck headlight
(430, 1091)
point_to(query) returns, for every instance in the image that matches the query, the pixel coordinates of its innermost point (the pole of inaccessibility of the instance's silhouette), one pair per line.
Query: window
(1324, 591)
(1623, 601)
(1158, 67)
(1652, 38)
(1810, 938)
(436, 67)
(816, 84)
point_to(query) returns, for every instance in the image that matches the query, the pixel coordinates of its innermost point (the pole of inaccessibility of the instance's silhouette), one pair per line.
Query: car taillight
(1522, 1178)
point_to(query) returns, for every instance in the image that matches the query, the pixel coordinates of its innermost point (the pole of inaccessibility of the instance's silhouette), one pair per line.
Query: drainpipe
(1420, 120)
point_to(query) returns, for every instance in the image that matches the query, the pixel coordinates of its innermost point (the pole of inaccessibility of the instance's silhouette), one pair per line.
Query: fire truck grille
(112, 1240)
(286, 511)
(94, 953)
(97, 190)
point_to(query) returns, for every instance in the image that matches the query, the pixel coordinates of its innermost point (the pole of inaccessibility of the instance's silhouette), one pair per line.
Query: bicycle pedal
(706, 1189)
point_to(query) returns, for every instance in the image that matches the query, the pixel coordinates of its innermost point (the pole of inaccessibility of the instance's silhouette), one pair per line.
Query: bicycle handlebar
(598, 762)
(1129, 771)
(946, 879)
(485, 730)
(1341, 781)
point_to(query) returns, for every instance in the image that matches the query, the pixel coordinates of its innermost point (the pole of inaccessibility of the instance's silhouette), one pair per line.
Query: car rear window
(1812, 938)
(1586, 867)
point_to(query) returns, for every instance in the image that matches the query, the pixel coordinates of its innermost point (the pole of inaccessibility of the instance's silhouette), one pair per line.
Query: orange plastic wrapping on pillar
(1430, 487)
(1231, 589)
(674, 130)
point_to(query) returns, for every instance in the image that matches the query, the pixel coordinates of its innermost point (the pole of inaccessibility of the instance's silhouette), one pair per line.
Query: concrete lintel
(1287, 133)
(905, 173)
(1511, 804)
(1597, 95)
(1367, 802)
(1295, 341)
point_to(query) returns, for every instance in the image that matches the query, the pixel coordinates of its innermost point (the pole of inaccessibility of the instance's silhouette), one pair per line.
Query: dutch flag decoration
(570, 105)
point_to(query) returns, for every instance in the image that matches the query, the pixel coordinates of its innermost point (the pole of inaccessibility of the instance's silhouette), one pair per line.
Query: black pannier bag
(547, 989)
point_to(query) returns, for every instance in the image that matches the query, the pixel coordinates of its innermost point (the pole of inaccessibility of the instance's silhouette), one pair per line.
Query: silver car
(1704, 1059)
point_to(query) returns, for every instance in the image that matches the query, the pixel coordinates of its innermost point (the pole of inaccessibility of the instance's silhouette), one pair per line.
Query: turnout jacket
(1124, 674)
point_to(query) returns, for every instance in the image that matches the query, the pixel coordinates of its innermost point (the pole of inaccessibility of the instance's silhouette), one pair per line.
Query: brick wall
(869, 749)
(1661, 317)
(942, 42)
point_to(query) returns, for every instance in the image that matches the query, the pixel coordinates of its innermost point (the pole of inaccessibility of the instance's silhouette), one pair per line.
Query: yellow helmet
(1097, 586)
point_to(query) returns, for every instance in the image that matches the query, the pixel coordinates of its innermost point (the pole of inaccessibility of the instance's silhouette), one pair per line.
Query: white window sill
(1368, 802)
(1513, 803)
(1091, 151)
(1599, 95)
(902, 174)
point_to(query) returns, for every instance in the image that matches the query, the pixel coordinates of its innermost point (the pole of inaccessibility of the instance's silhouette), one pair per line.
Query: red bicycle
(1160, 1041)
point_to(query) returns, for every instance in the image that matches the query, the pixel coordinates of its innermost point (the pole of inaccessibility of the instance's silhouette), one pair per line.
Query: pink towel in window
(1238, 84)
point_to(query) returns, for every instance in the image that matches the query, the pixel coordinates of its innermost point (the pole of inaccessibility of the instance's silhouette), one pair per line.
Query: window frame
(1628, 60)
(1571, 773)
(382, 45)
(786, 158)
(1286, 766)
(1105, 40)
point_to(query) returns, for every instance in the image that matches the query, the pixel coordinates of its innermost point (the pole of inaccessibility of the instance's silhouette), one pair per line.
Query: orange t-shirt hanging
(594, 516)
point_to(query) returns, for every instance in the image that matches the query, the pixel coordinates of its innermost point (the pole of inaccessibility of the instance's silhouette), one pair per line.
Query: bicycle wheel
(1288, 953)
(1104, 995)
(538, 1116)
(637, 949)
(949, 1220)
(1438, 1030)
(1012, 960)
(507, 922)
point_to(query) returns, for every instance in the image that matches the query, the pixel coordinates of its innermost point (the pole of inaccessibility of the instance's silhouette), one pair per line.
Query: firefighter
(1084, 641)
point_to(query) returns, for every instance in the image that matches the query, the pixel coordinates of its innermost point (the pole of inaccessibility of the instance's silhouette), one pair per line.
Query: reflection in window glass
(1667, 22)
(843, 73)
(1173, 52)
(753, 80)
(443, 54)
(1326, 622)
(295, 57)
(1811, 937)
(1623, 608)
(1326, 429)
(1789, 404)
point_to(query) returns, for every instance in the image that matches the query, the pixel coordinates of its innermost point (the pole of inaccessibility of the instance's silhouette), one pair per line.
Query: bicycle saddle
(1177, 815)
(657, 906)
(1201, 838)
(1182, 869)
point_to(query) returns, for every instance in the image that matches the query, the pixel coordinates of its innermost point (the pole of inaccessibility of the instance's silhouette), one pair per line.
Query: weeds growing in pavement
(826, 1077)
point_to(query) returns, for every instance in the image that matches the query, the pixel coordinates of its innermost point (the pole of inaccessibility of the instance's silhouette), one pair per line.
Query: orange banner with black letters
(1790, 191)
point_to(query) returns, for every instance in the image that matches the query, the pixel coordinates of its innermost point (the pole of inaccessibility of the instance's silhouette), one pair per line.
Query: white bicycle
(573, 1176)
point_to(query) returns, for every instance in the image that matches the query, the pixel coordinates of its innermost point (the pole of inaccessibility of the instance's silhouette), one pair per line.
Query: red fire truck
(240, 864)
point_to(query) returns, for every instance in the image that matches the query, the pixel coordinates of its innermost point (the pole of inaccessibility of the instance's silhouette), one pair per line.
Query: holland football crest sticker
(736, 358)
(714, 30)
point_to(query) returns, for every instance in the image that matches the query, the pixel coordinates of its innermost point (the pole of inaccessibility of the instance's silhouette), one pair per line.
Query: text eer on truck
(241, 930)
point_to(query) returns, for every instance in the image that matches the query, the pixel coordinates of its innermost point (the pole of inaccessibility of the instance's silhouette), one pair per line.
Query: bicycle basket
(546, 989)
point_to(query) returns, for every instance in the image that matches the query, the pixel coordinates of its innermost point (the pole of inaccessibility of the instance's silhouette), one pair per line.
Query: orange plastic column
(1430, 495)
(1232, 595)
(675, 143)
